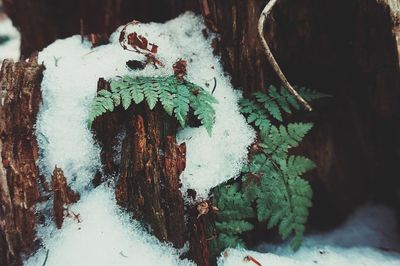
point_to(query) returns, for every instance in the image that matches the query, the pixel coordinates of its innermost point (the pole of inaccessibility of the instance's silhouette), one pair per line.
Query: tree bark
(63, 196)
(149, 169)
(19, 176)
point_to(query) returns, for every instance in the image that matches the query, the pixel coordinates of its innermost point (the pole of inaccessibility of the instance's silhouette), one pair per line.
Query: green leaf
(104, 93)
(137, 94)
(151, 94)
(126, 99)
(167, 101)
(181, 104)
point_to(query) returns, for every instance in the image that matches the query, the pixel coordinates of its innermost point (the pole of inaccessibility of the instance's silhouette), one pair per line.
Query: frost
(368, 238)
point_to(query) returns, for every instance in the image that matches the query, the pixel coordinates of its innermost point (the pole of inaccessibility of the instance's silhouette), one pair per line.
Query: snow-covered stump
(151, 162)
(19, 176)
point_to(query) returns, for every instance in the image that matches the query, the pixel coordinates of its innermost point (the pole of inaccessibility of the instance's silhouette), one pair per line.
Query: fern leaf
(280, 98)
(117, 99)
(104, 93)
(151, 93)
(126, 99)
(298, 165)
(269, 105)
(234, 227)
(229, 241)
(181, 104)
(297, 131)
(286, 226)
(167, 101)
(310, 95)
(108, 104)
(137, 94)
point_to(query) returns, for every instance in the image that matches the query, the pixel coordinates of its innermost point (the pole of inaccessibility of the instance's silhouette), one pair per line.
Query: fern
(176, 97)
(271, 188)
(273, 105)
(234, 208)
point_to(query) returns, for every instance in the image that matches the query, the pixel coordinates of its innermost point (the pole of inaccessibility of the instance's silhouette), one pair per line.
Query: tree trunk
(149, 168)
(19, 176)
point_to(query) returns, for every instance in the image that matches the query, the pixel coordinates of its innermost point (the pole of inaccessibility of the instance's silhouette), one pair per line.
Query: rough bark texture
(149, 168)
(198, 244)
(63, 196)
(19, 177)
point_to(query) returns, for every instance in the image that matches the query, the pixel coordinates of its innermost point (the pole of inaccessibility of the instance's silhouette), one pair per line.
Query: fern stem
(266, 11)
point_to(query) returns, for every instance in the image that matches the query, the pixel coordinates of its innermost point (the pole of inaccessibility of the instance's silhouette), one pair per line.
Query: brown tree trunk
(149, 169)
(19, 176)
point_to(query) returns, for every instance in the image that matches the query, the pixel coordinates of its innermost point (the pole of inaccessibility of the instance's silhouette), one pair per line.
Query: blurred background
(10, 39)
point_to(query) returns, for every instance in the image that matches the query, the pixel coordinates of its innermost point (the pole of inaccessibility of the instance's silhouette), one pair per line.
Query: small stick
(215, 86)
(250, 258)
(45, 259)
(271, 58)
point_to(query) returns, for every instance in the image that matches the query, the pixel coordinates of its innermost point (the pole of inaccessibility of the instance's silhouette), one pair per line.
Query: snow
(69, 85)
(11, 48)
(104, 236)
(369, 237)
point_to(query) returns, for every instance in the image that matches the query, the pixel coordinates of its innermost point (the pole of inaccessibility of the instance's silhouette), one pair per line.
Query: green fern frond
(271, 189)
(297, 165)
(176, 97)
(150, 91)
(310, 95)
(234, 227)
(181, 103)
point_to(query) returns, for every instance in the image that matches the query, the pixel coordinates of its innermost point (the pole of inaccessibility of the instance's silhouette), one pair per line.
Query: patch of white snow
(104, 236)
(369, 237)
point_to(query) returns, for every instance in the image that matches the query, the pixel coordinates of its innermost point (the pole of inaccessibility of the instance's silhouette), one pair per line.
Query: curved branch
(271, 58)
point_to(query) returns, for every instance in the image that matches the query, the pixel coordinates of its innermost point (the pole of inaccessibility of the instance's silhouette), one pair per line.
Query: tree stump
(149, 168)
(19, 176)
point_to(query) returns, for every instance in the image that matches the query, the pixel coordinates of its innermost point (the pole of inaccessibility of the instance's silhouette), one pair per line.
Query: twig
(45, 259)
(250, 258)
(271, 58)
(215, 86)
